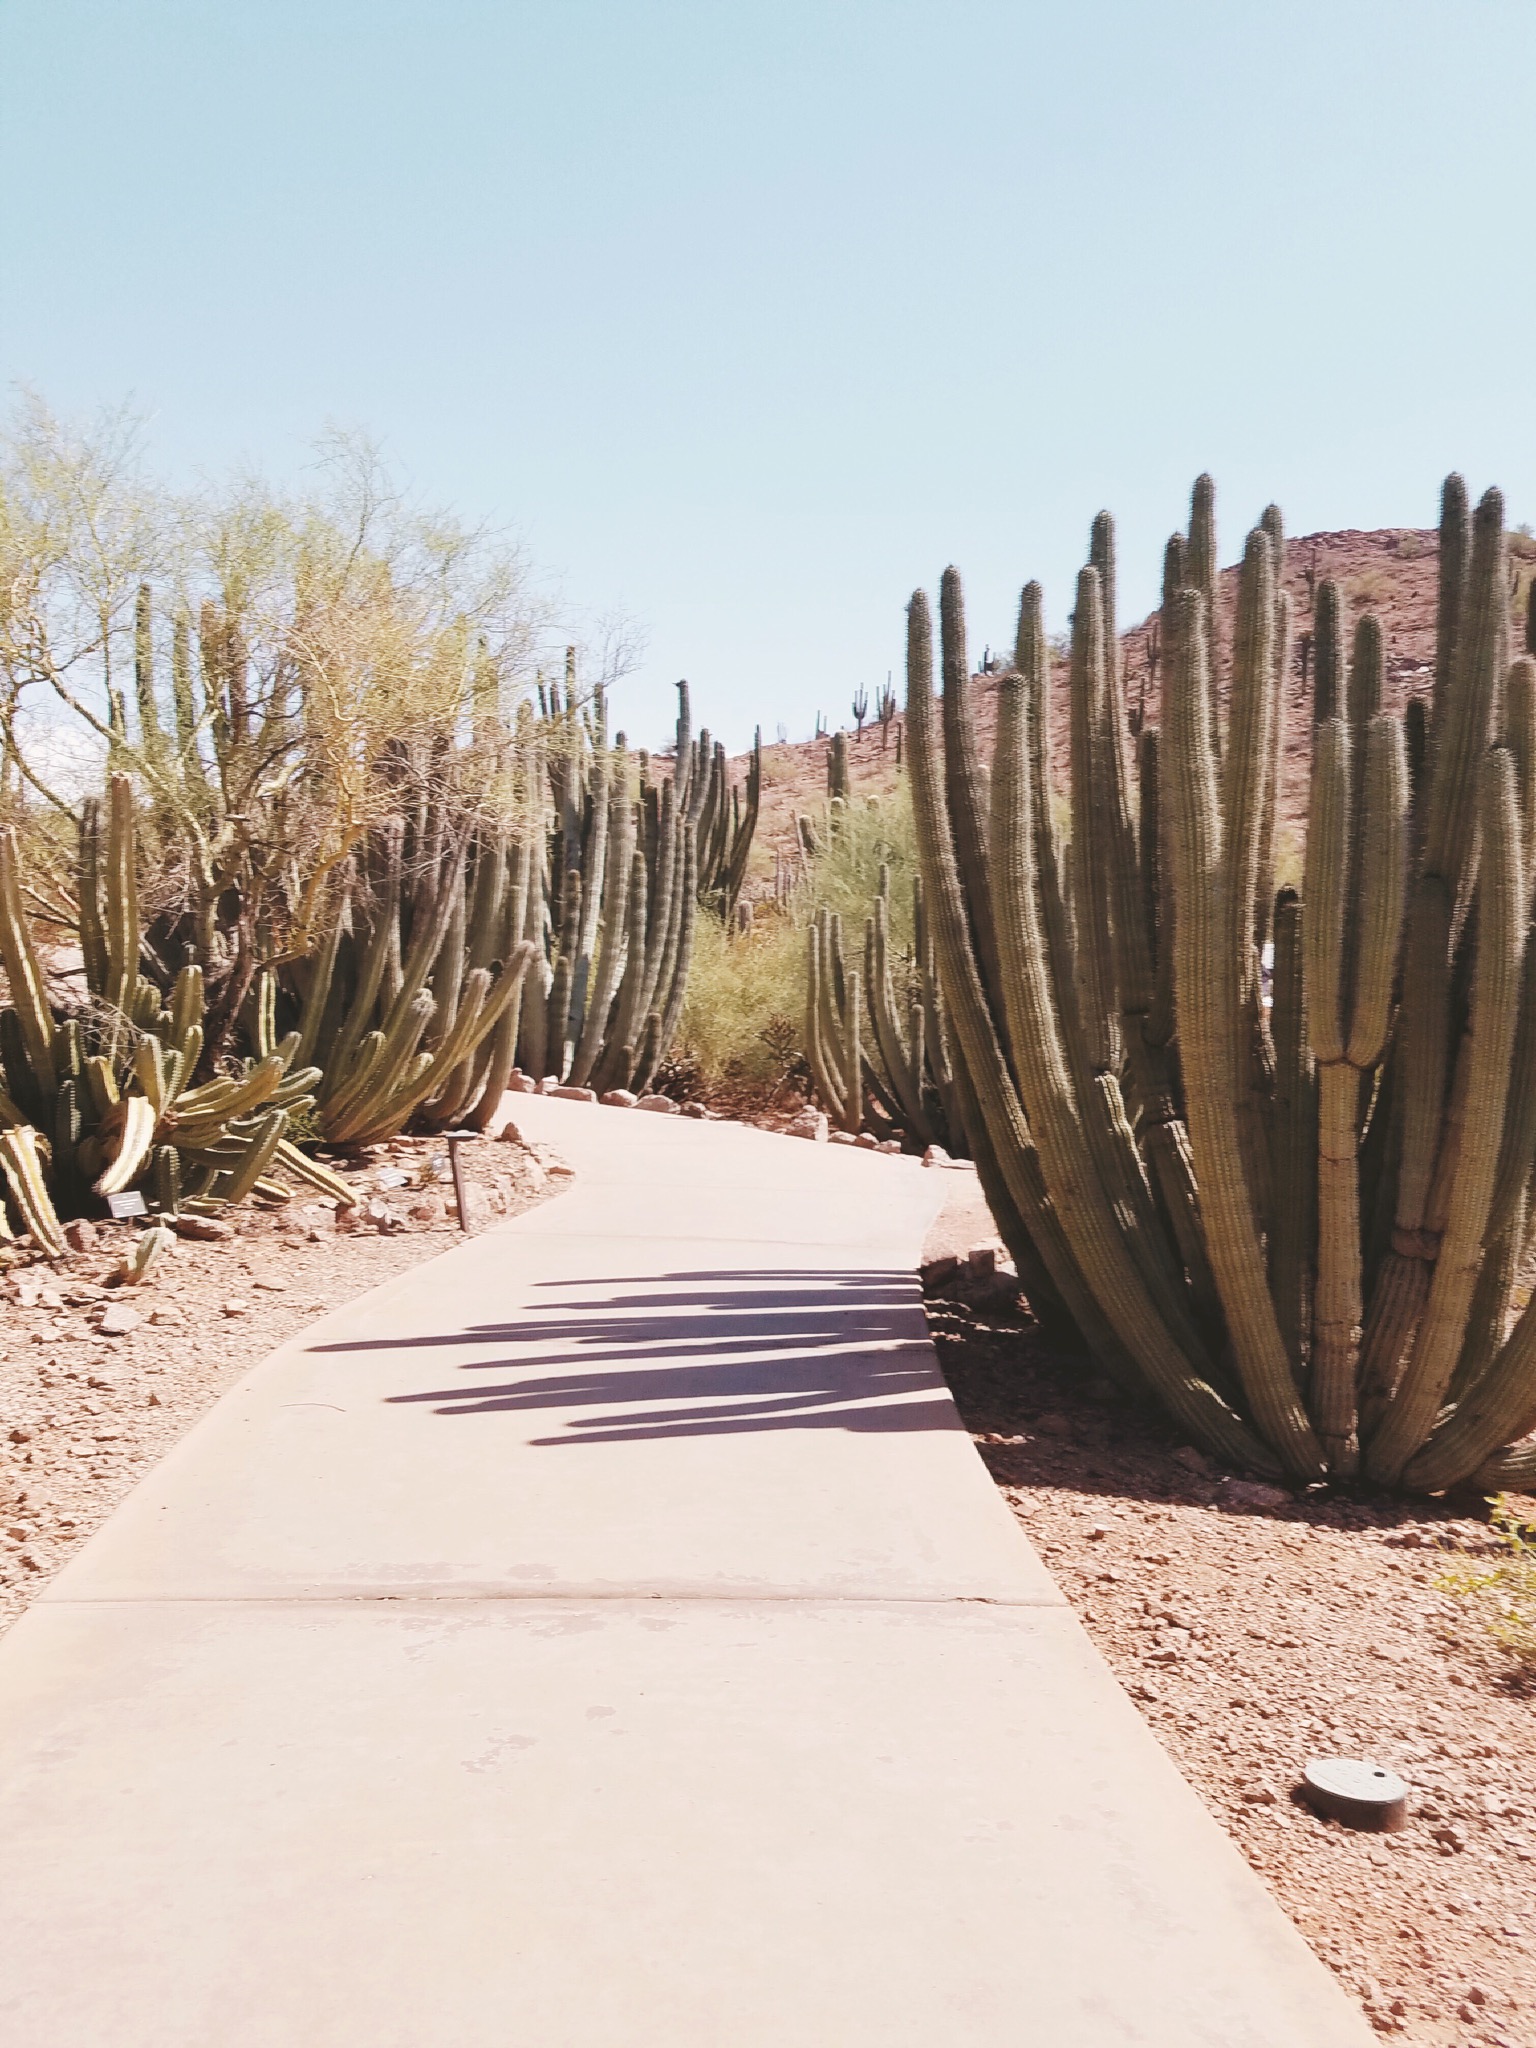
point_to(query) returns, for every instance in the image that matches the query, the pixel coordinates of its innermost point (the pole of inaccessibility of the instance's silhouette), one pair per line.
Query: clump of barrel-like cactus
(1296, 1210)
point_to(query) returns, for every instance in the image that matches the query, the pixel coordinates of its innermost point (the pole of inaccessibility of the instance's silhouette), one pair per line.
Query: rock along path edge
(605, 1635)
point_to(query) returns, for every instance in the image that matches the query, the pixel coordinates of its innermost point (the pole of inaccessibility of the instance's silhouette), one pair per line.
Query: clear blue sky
(752, 317)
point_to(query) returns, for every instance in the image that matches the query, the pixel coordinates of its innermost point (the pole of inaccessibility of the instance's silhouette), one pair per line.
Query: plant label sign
(129, 1204)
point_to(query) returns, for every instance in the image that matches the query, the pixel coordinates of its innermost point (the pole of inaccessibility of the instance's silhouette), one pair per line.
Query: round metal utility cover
(1362, 1795)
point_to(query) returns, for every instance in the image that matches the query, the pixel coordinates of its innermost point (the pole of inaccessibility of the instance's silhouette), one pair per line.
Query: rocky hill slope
(1391, 572)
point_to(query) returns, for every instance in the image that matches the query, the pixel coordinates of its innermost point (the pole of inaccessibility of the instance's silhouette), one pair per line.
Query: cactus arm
(262, 1144)
(1293, 1241)
(23, 971)
(134, 1140)
(610, 968)
(1380, 872)
(1450, 833)
(1202, 574)
(1206, 997)
(677, 983)
(1090, 851)
(314, 1173)
(24, 1173)
(966, 787)
(323, 972)
(93, 931)
(1249, 763)
(1520, 738)
(1410, 1416)
(375, 960)
(122, 898)
(822, 1080)
(1337, 1309)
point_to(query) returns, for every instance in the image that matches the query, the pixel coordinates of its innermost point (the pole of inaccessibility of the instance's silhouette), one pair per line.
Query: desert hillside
(1391, 572)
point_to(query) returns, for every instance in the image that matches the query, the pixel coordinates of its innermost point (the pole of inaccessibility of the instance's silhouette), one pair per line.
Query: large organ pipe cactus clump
(1297, 1216)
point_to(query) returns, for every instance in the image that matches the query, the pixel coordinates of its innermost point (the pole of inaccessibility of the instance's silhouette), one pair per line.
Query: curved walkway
(605, 1636)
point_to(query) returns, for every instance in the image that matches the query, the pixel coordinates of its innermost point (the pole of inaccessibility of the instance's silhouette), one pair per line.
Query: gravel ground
(1256, 1630)
(84, 1414)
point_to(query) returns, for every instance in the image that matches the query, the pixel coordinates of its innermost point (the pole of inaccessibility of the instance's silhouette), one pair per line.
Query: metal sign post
(454, 1140)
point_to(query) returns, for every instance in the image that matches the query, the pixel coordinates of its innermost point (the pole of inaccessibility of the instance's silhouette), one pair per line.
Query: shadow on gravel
(702, 1354)
(1043, 1419)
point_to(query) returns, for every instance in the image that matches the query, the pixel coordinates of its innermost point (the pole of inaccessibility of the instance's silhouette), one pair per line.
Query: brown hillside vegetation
(1391, 573)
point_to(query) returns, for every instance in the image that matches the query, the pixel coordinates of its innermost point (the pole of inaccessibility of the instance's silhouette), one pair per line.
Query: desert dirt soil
(83, 1414)
(1256, 1633)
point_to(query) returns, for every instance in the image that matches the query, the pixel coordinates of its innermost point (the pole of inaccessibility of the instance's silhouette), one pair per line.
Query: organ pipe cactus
(1299, 1220)
(834, 1024)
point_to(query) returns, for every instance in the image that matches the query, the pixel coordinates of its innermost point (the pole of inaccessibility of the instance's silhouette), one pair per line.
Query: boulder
(662, 1104)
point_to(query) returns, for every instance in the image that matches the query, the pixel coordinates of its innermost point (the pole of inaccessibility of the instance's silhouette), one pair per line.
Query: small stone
(21, 1436)
(842, 1138)
(548, 1085)
(1451, 1837)
(981, 1262)
(523, 1084)
(663, 1105)
(620, 1098)
(575, 1094)
(812, 1124)
(119, 1321)
(154, 1401)
(271, 1286)
(235, 1308)
(1253, 1493)
(1191, 1459)
(938, 1273)
(867, 1141)
(82, 1235)
(936, 1156)
(205, 1229)
(891, 1145)
(429, 1210)
(696, 1110)
(1260, 1795)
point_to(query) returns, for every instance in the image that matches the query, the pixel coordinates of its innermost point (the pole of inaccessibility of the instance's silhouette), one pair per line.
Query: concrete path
(605, 1636)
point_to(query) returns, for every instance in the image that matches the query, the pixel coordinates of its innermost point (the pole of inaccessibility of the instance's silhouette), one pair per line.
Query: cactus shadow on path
(702, 1354)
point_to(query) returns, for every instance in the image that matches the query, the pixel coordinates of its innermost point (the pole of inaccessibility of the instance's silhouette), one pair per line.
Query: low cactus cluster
(104, 1100)
(1297, 1213)
(877, 1047)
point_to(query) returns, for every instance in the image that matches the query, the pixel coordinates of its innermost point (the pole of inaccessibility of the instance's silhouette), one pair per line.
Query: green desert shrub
(743, 1016)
